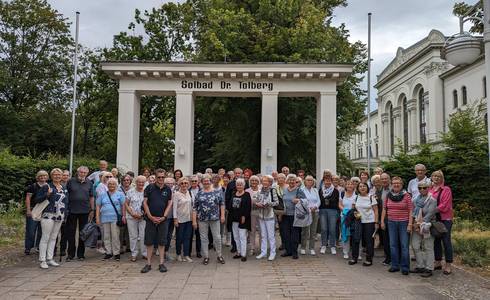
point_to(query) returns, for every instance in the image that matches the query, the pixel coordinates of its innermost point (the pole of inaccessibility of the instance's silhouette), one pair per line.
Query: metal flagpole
(369, 98)
(486, 40)
(74, 102)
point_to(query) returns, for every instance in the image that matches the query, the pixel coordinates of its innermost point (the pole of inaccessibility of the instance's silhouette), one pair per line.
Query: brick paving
(310, 277)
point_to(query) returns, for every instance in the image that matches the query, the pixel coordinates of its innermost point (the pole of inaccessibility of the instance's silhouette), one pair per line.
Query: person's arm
(147, 210)
(122, 202)
(97, 214)
(383, 216)
(28, 202)
(432, 209)
(169, 207)
(194, 212)
(445, 201)
(174, 208)
(374, 206)
(410, 209)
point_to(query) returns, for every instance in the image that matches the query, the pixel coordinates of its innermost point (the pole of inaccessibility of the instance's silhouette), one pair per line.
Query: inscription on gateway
(227, 85)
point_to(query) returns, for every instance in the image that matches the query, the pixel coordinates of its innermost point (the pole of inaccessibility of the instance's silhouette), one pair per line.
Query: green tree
(462, 9)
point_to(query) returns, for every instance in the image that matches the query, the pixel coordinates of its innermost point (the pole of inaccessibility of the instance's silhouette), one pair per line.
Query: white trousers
(267, 234)
(50, 230)
(240, 236)
(136, 230)
(111, 238)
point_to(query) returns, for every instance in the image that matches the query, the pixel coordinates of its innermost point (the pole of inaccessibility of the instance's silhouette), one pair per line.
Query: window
(455, 99)
(376, 149)
(485, 87)
(422, 120)
(464, 95)
(392, 129)
(405, 124)
(376, 130)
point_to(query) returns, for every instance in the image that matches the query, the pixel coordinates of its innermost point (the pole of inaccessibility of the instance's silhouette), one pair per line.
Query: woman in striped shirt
(398, 208)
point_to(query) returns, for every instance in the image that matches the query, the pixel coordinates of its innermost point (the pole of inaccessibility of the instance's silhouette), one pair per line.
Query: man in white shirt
(413, 185)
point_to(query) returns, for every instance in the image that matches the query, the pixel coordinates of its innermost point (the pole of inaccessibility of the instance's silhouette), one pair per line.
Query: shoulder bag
(437, 228)
(119, 221)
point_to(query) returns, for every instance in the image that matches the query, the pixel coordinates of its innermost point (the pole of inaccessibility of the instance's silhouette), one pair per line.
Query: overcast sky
(395, 23)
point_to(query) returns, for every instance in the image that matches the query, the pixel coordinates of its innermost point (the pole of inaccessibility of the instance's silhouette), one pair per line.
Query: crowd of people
(142, 214)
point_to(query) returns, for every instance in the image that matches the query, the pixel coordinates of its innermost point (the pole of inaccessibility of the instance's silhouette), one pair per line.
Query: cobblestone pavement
(310, 277)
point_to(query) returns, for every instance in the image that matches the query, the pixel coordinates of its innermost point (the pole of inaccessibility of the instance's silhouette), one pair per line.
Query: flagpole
(369, 98)
(74, 102)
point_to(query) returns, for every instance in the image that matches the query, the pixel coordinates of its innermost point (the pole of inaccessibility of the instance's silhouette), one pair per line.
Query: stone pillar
(268, 139)
(184, 132)
(385, 131)
(398, 127)
(434, 113)
(326, 133)
(412, 109)
(128, 131)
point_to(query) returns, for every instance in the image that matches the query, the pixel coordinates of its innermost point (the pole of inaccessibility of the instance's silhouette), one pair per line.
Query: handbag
(119, 221)
(279, 208)
(37, 210)
(437, 228)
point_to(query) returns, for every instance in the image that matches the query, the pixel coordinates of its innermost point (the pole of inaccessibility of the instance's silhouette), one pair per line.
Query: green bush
(473, 247)
(18, 172)
(11, 224)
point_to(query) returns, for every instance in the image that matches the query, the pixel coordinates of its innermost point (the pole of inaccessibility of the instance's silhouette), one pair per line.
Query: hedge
(18, 172)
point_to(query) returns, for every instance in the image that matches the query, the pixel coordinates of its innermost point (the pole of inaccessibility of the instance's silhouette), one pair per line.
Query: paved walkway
(310, 277)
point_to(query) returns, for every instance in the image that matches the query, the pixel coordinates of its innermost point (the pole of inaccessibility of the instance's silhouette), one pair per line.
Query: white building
(417, 94)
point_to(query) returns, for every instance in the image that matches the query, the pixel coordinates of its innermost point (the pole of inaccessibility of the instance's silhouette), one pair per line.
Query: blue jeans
(399, 243)
(33, 234)
(446, 242)
(328, 224)
(184, 236)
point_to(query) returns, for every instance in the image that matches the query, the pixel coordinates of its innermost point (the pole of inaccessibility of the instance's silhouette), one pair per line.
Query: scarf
(265, 195)
(419, 203)
(327, 192)
(396, 197)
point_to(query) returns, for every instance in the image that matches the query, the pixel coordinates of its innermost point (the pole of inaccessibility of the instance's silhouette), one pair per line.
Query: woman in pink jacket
(444, 198)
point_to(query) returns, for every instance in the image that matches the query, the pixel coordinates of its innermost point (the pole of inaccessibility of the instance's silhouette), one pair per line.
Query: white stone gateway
(186, 81)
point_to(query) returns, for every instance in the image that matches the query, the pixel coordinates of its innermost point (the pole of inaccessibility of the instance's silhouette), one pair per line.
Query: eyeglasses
(421, 188)
(160, 177)
(182, 183)
(109, 177)
(194, 181)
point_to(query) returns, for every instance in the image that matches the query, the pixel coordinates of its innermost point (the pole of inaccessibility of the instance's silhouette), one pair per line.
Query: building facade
(417, 94)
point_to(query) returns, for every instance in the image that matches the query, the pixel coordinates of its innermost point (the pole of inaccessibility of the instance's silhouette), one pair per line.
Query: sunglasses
(161, 177)
(184, 183)
(194, 181)
(421, 188)
(109, 177)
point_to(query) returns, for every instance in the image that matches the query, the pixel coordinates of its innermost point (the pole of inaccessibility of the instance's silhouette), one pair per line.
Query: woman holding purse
(134, 218)
(267, 200)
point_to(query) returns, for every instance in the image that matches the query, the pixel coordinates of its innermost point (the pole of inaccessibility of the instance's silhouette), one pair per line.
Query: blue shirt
(207, 205)
(107, 212)
(288, 197)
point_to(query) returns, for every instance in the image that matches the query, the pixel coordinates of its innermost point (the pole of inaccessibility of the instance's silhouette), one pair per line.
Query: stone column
(398, 126)
(412, 108)
(385, 129)
(128, 131)
(268, 139)
(184, 132)
(326, 133)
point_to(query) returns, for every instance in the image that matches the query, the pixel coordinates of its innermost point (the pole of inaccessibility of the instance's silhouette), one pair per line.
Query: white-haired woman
(254, 191)
(280, 186)
(239, 212)
(182, 206)
(34, 196)
(308, 233)
(267, 199)
(52, 217)
(108, 207)
(134, 218)
(292, 196)
(101, 188)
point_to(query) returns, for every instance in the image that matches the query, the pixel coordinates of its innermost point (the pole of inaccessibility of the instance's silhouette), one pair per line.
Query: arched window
(392, 129)
(405, 124)
(455, 99)
(464, 95)
(422, 120)
(484, 86)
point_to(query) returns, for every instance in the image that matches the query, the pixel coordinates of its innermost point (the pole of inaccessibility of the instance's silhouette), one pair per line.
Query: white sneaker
(44, 265)
(346, 256)
(53, 263)
(188, 259)
(359, 258)
(262, 255)
(333, 250)
(157, 253)
(302, 251)
(179, 258)
(271, 257)
(223, 241)
(312, 252)
(101, 250)
(323, 249)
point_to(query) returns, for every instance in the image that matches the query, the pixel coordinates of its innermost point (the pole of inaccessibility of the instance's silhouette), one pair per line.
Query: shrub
(17, 172)
(473, 247)
(11, 224)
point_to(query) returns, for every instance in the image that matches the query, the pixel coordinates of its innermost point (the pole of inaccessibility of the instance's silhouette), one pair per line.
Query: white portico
(186, 81)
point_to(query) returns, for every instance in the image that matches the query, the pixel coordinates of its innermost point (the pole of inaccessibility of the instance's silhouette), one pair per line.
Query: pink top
(445, 206)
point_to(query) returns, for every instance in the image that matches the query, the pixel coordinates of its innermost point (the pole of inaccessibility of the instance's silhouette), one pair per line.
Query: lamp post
(463, 49)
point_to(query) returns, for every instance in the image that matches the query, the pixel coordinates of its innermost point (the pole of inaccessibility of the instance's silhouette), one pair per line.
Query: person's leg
(170, 233)
(141, 236)
(215, 232)
(52, 240)
(47, 226)
(428, 245)
(253, 232)
(149, 238)
(107, 238)
(70, 232)
(243, 241)
(271, 237)
(38, 234)
(404, 246)
(355, 249)
(305, 233)
(296, 236)
(346, 247)
(179, 234)
(368, 230)
(446, 240)
(332, 216)
(236, 236)
(394, 242)
(287, 225)
(187, 236)
(263, 237)
(30, 234)
(386, 245)
(417, 250)
(324, 226)
(198, 241)
(312, 232)
(133, 235)
(82, 221)
(203, 231)
(162, 231)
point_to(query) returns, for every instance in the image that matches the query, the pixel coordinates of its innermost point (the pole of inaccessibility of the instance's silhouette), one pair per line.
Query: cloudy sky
(395, 23)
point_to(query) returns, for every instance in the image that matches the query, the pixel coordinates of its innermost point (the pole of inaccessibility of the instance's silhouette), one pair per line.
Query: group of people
(236, 208)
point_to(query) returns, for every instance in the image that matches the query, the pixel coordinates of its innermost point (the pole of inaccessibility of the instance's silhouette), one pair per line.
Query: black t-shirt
(158, 199)
(79, 195)
(33, 189)
(331, 202)
(241, 206)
